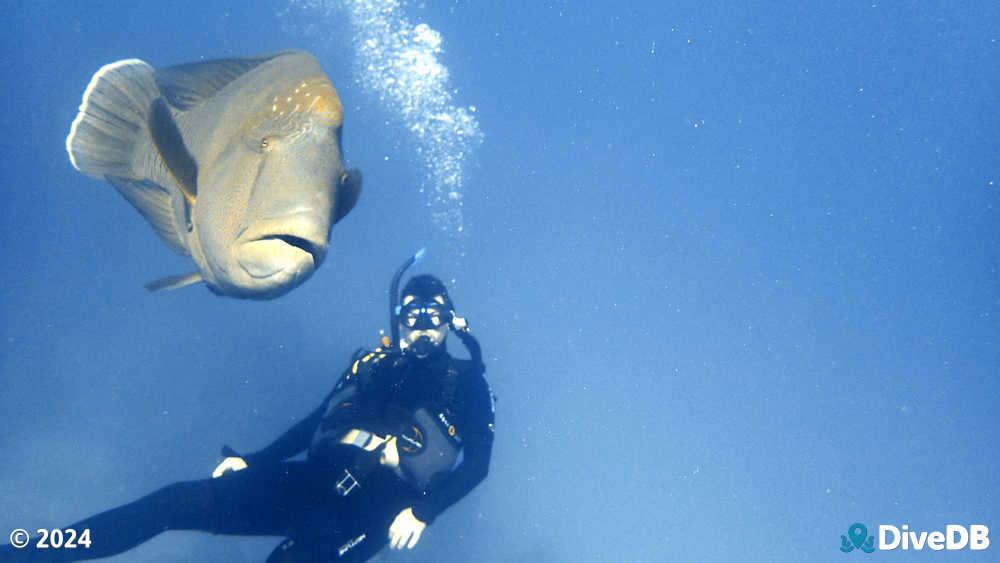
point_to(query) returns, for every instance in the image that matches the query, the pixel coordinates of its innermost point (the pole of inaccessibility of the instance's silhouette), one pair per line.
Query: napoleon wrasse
(234, 162)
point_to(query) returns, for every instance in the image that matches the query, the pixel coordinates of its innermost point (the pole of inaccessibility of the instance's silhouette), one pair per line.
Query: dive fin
(170, 144)
(189, 85)
(154, 203)
(348, 192)
(175, 282)
(111, 124)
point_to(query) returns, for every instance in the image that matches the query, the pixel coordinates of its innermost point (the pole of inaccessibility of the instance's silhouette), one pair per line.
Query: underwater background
(734, 268)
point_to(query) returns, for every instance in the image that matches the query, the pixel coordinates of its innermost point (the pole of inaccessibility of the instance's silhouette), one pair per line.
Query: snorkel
(394, 308)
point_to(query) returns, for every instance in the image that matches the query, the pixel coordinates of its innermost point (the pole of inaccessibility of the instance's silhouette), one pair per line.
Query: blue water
(735, 271)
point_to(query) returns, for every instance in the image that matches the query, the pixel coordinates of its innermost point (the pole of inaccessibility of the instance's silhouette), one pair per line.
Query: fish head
(269, 199)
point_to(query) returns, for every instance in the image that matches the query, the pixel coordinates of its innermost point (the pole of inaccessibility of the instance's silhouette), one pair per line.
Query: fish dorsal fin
(348, 192)
(189, 85)
(175, 282)
(170, 144)
(154, 203)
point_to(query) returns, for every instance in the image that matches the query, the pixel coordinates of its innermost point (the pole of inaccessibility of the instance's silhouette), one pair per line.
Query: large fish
(234, 162)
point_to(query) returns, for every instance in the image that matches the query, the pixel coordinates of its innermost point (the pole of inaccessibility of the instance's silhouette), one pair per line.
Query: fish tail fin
(113, 120)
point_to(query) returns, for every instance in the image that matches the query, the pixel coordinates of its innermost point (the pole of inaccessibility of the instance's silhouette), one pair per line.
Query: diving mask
(424, 316)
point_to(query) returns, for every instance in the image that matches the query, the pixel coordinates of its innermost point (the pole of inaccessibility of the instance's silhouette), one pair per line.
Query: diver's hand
(370, 442)
(229, 464)
(405, 530)
(389, 455)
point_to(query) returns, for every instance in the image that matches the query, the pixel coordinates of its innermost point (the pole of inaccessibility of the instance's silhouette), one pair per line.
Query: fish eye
(266, 144)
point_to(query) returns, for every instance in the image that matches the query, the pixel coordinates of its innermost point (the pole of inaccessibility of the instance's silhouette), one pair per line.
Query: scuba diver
(406, 432)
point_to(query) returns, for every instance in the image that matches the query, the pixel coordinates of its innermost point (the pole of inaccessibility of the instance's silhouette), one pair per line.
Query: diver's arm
(475, 464)
(470, 473)
(293, 441)
(298, 437)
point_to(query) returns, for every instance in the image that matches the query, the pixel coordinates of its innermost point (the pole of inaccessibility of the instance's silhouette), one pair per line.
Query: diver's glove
(386, 446)
(405, 530)
(229, 464)
(233, 462)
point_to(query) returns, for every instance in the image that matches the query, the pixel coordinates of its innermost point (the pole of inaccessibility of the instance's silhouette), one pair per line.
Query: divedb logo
(954, 537)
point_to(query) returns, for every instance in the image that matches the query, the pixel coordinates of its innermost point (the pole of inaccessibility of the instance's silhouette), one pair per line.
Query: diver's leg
(338, 545)
(263, 501)
(179, 505)
(343, 529)
(249, 502)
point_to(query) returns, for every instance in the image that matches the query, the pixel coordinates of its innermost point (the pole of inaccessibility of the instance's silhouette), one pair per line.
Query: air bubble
(397, 63)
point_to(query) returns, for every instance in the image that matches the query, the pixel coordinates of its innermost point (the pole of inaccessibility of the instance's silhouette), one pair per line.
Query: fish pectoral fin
(108, 136)
(348, 192)
(155, 204)
(189, 85)
(175, 282)
(170, 146)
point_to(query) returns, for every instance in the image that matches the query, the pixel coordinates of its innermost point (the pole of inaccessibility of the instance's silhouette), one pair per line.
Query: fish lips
(284, 250)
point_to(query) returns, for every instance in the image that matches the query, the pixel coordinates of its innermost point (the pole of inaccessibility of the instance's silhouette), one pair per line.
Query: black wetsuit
(439, 407)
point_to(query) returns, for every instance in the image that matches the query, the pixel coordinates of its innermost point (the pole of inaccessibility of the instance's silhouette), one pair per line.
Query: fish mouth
(284, 254)
(301, 243)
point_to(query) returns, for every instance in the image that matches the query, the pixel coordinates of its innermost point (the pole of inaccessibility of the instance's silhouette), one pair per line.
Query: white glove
(229, 464)
(405, 530)
(390, 455)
